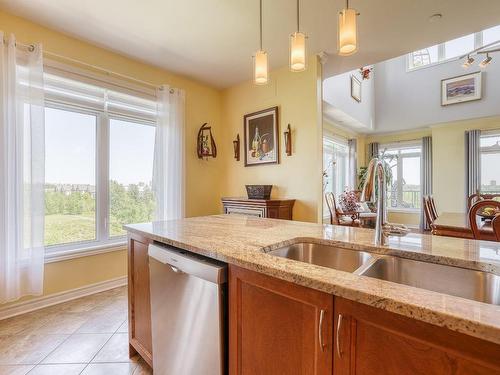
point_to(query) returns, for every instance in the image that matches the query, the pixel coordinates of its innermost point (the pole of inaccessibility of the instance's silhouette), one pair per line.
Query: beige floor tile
(62, 323)
(123, 328)
(65, 369)
(143, 368)
(110, 369)
(115, 350)
(78, 348)
(103, 323)
(22, 324)
(15, 369)
(27, 349)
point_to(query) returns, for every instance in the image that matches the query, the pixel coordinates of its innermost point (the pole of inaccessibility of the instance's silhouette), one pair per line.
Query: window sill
(404, 210)
(58, 256)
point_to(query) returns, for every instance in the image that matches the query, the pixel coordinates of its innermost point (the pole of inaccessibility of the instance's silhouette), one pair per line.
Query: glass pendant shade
(348, 35)
(260, 68)
(297, 52)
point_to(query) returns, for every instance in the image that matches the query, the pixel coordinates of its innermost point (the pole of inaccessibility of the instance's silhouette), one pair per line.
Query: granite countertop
(244, 241)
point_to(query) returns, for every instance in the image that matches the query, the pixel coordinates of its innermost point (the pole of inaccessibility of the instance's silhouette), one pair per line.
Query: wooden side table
(270, 208)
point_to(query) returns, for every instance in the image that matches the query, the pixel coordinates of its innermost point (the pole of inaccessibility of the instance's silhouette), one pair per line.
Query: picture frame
(261, 137)
(462, 88)
(355, 89)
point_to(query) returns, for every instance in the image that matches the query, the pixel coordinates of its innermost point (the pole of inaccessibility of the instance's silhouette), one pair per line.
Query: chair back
(477, 207)
(433, 208)
(474, 198)
(429, 217)
(495, 223)
(330, 202)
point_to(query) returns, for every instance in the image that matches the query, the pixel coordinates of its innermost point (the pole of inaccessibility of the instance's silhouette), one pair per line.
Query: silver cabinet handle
(175, 269)
(320, 329)
(339, 326)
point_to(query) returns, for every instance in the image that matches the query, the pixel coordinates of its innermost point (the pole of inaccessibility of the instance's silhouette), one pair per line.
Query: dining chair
(339, 217)
(433, 208)
(477, 231)
(428, 213)
(474, 198)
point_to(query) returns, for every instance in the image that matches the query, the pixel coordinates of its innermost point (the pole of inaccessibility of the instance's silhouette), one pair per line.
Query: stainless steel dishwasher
(188, 308)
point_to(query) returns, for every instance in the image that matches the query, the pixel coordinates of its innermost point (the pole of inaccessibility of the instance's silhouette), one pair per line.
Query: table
(456, 224)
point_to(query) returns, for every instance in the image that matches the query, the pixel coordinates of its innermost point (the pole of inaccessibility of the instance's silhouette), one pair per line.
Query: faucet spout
(374, 189)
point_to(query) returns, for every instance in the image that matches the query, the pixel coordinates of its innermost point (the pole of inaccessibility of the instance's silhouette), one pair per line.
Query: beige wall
(297, 176)
(203, 179)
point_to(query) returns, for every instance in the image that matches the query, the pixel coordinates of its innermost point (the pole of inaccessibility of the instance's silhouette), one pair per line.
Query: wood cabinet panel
(139, 305)
(275, 326)
(372, 342)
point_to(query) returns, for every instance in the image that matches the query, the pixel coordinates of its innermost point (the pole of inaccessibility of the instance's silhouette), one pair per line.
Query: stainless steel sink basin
(326, 256)
(475, 285)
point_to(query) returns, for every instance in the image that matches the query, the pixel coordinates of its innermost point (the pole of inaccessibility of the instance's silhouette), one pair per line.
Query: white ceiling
(213, 40)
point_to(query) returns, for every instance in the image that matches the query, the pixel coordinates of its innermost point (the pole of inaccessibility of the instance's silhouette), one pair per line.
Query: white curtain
(22, 158)
(353, 161)
(169, 165)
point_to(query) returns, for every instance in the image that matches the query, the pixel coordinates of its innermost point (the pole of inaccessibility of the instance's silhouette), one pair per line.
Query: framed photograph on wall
(356, 89)
(261, 141)
(464, 88)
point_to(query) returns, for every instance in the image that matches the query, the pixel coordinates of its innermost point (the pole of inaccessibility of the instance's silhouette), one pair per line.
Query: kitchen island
(327, 319)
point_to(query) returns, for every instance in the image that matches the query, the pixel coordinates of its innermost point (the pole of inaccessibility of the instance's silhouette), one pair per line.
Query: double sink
(461, 282)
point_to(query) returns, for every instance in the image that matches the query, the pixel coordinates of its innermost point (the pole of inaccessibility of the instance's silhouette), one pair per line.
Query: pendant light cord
(260, 25)
(298, 15)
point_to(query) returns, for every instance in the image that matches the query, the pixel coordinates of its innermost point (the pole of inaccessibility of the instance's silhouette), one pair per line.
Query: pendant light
(298, 47)
(347, 31)
(260, 61)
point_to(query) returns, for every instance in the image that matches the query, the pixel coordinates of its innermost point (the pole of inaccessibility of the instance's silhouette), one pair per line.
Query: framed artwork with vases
(261, 142)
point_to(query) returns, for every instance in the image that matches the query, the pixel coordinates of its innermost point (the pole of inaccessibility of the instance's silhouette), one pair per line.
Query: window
(452, 49)
(404, 162)
(336, 166)
(490, 159)
(99, 162)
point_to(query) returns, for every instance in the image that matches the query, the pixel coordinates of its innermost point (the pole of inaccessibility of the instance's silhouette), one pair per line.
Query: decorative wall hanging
(288, 140)
(365, 72)
(206, 147)
(261, 142)
(461, 89)
(356, 89)
(236, 147)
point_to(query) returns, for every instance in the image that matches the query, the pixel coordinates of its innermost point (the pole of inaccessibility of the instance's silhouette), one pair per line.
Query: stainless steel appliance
(188, 312)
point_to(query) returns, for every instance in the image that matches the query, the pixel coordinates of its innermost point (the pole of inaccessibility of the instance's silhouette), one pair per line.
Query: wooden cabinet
(270, 208)
(370, 341)
(139, 307)
(277, 327)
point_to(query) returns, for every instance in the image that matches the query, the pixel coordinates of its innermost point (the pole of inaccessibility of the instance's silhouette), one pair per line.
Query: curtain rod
(31, 47)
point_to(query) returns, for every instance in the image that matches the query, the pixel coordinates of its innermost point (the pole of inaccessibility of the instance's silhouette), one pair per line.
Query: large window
(336, 166)
(99, 163)
(452, 49)
(403, 162)
(490, 160)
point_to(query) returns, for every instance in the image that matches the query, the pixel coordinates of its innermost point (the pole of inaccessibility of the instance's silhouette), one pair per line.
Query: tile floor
(87, 336)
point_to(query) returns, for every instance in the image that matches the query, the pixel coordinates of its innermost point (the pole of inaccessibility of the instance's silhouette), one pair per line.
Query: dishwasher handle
(183, 262)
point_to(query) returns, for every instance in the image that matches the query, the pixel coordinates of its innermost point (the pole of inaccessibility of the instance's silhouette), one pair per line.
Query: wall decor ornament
(464, 88)
(206, 147)
(261, 142)
(288, 140)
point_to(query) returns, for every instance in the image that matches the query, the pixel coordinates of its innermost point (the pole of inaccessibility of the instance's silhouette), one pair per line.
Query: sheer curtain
(353, 160)
(169, 165)
(22, 158)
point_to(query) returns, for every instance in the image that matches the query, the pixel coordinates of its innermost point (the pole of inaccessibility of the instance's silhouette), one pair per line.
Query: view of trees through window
(490, 159)
(71, 190)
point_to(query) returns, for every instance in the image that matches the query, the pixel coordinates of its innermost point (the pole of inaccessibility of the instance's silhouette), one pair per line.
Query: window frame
(399, 147)
(488, 134)
(478, 42)
(103, 242)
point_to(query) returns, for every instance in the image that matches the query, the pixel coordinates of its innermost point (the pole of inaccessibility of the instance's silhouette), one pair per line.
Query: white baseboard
(55, 298)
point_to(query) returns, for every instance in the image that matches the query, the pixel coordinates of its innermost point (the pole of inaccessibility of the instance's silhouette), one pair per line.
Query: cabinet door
(139, 310)
(277, 327)
(370, 341)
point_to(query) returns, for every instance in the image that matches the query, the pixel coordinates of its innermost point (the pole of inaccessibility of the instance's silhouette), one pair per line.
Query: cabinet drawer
(258, 212)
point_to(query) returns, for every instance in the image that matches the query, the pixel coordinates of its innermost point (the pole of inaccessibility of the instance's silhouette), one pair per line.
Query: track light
(468, 62)
(486, 61)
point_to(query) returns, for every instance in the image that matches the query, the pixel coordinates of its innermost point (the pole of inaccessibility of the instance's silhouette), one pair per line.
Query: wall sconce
(236, 146)
(288, 140)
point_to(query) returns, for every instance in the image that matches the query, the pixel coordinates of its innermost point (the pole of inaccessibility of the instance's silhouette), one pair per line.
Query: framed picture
(356, 89)
(261, 142)
(461, 89)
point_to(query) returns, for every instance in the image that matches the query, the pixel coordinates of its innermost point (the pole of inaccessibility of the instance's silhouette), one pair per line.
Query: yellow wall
(203, 178)
(297, 176)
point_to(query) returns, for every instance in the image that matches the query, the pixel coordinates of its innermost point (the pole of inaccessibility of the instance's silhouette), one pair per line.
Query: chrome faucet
(375, 176)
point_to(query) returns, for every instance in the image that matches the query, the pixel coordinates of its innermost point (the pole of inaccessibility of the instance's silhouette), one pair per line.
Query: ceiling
(214, 40)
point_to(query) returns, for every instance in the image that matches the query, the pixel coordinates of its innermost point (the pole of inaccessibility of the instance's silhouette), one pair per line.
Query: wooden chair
(476, 207)
(433, 207)
(474, 198)
(429, 212)
(495, 223)
(339, 217)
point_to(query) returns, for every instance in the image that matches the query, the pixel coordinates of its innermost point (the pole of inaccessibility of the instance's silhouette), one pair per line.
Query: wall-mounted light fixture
(486, 61)
(288, 140)
(347, 31)
(298, 47)
(260, 67)
(236, 147)
(468, 62)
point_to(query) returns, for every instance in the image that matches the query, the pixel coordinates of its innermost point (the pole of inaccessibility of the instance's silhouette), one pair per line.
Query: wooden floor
(86, 336)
